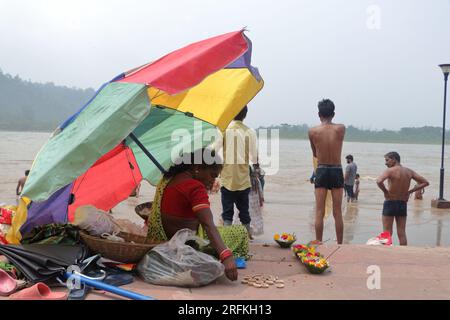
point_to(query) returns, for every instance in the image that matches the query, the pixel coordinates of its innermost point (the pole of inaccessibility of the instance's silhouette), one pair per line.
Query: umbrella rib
(158, 94)
(132, 169)
(148, 154)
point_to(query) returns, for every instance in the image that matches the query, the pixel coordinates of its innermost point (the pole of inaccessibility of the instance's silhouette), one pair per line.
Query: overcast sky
(377, 60)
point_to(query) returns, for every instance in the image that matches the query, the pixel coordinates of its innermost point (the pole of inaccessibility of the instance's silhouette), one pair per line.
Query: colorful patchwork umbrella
(124, 133)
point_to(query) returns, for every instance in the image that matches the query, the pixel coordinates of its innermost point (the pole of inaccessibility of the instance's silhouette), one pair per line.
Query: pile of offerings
(313, 261)
(263, 281)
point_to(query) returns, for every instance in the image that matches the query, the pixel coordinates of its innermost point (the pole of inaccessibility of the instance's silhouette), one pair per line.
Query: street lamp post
(445, 69)
(441, 203)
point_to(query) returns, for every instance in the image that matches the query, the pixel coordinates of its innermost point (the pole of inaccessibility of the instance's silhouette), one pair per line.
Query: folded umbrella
(43, 262)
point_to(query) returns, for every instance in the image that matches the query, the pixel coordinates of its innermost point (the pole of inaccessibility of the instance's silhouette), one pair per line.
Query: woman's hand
(206, 219)
(230, 268)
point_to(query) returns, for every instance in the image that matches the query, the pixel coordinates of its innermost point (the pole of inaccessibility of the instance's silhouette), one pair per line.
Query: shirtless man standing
(326, 144)
(397, 194)
(21, 183)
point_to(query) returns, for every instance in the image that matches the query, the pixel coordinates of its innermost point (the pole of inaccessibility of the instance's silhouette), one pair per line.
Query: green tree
(25, 105)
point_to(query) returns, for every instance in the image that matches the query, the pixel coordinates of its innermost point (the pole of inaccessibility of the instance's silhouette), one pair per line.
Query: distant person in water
(349, 178)
(356, 192)
(260, 174)
(326, 143)
(418, 195)
(21, 183)
(312, 178)
(397, 194)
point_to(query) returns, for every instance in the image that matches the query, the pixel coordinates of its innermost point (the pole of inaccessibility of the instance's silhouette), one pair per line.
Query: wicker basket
(126, 252)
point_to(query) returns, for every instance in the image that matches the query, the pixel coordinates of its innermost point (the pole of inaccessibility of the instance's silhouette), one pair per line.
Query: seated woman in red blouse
(182, 201)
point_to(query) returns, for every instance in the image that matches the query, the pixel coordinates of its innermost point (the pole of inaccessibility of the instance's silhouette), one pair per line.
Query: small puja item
(306, 251)
(299, 248)
(313, 261)
(316, 265)
(308, 255)
(285, 240)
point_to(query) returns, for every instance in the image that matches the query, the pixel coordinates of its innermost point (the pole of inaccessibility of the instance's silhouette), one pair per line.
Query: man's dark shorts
(329, 177)
(395, 208)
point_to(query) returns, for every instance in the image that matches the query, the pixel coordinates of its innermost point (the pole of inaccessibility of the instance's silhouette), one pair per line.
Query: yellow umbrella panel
(216, 100)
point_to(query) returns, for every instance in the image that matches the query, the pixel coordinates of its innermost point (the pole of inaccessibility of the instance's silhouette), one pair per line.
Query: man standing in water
(21, 183)
(326, 144)
(397, 194)
(349, 177)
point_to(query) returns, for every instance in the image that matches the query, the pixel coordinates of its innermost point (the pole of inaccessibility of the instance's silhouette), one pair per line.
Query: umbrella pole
(107, 287)
(144, 149)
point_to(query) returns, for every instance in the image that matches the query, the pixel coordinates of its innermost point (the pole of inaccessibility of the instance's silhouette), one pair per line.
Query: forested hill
(30, 106)
(421, 135)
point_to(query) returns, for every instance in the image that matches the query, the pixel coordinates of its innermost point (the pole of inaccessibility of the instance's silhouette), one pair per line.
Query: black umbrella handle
(144, 149)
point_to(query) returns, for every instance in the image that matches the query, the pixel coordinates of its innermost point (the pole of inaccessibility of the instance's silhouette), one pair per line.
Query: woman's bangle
(226, 256)
(223, 251)
(226, 253)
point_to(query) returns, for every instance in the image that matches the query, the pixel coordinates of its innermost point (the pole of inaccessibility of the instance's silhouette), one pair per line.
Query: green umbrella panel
(168, 133)
(116, 111)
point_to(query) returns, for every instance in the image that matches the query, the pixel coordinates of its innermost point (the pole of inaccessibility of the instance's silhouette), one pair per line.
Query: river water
(289, 196)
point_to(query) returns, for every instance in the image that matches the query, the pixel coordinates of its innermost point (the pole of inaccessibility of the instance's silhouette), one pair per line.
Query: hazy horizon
(377, 60)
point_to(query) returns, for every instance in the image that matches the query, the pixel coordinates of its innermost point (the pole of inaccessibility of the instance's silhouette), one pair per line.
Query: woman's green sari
(234, 237)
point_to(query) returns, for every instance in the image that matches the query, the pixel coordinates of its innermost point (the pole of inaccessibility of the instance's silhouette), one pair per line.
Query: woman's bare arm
(206, 219)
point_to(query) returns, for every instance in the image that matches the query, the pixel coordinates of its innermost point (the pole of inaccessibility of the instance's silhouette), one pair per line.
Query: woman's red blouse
(184, 199)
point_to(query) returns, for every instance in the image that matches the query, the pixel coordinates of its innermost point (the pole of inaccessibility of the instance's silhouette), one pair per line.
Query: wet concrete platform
(357, 272)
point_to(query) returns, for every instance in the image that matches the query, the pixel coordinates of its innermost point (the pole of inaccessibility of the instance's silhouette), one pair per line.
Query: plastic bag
(255, 210)
(175, 263)
(131, 227)
(95, 221)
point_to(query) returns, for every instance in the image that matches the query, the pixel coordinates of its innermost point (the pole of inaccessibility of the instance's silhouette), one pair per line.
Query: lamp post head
(445, 69)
